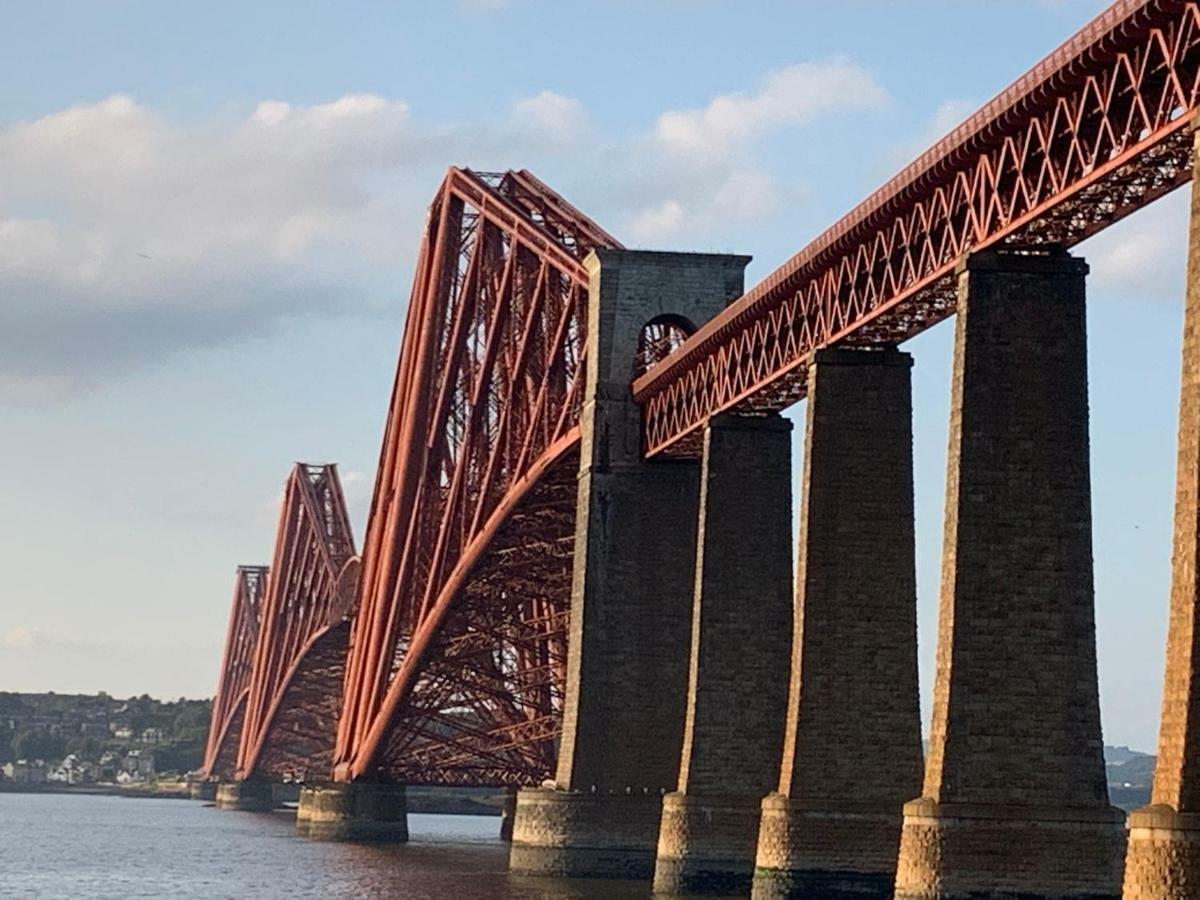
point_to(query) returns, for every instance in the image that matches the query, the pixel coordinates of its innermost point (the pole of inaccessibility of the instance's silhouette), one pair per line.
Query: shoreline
(169, 791)
(418, 802)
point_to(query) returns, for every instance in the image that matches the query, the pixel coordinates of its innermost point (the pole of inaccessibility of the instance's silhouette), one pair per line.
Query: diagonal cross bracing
(468, 502)
(1095, 131)
(229, 704)
(300, 653)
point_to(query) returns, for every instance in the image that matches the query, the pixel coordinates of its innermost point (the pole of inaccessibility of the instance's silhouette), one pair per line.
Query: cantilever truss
(1099, 129)
(229, 705)
(295, 692)
(456, 669)
(458, 663)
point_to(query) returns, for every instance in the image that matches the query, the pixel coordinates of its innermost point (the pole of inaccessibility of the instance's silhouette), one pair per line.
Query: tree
(184, 757)
(13, 704)
(38, 744)
(84, 747)
(191, 724)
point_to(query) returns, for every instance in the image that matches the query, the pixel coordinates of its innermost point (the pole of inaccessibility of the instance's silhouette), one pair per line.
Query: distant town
(75, 740)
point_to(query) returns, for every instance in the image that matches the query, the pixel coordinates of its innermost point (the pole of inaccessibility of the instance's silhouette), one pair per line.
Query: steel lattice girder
(483, 418)
(491, 684)
(1097, 130)
(300, 654)
(229, 704)
(299, 745)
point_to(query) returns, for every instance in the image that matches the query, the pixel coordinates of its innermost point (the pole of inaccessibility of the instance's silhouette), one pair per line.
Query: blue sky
(208, 215)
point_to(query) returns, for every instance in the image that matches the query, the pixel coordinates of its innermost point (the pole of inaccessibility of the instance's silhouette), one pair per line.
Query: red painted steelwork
(229, 704)
(458, 660)
(295, 692)
(1097, 130)
(456, 667)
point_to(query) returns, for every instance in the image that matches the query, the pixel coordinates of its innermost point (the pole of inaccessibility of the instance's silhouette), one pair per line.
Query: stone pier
(740, 653)
(253, 795)
(631, 598)
(205, 789)
(1015, 801)
(354, 811)
(508, 812)
(852, 751)
(1163, 861)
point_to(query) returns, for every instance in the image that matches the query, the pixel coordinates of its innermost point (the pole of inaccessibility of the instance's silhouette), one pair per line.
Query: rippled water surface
(62, 845)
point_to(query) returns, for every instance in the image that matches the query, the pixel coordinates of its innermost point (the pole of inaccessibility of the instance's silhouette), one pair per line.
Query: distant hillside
(1130, 776)
(49, 726)
(1117, 756)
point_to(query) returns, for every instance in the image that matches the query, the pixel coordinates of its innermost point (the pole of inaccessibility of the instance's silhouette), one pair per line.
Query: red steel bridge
(280, 688)
(445, 662)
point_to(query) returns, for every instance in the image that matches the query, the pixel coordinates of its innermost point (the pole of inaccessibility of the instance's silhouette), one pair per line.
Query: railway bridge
(577, 578)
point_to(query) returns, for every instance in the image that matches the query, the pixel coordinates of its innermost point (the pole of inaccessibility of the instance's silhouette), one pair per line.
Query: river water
(64, 845)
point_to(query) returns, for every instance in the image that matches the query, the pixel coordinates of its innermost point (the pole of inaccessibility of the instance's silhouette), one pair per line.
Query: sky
(208, 219)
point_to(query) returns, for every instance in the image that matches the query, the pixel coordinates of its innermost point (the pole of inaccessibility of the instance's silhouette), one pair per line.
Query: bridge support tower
(252, 795)
(1163, 861)
(852, 751)
(203, 789)
(740, 650)
(631, 598)
(354, 811)
(1016, 658)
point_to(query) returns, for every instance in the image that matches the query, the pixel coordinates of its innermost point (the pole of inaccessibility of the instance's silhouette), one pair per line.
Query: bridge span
(577, 577)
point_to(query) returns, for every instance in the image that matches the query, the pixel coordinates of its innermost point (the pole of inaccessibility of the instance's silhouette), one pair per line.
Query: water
(64, 845)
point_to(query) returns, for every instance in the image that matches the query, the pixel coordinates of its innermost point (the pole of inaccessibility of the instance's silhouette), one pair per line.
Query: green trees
(191, 723)
(49, 726)
(35, 743)
(85, 747)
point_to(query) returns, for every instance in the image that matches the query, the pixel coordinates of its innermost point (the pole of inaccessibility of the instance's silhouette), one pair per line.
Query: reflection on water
(59, 845)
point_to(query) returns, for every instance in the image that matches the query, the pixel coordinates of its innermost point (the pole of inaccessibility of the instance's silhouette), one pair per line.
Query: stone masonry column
(852, 751)
(1015, 800)
(1163, 862)
(251, 795)
(354, 811)
(631, 595)
(740, 648)
(203, 789)
(507, 812)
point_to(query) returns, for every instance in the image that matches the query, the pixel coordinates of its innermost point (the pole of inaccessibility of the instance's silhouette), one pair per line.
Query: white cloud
(553, 116)
(357, 486)
(29, 637)
(127, 235)
(658, 222)
(788, 97)
(1143, 257)
(694, 173)
(353, 477)
(18, 637)
(949, 115)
